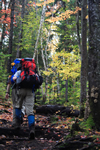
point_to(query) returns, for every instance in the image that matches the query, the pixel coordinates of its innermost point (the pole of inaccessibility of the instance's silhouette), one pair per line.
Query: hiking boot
(32, 132)
(17, 124)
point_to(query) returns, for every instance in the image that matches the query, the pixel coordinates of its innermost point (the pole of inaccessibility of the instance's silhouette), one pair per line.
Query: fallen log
(56, 109)
(22, 132)
(76, 143)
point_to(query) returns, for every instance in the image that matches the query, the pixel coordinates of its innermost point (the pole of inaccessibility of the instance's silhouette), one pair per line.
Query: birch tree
(41, 23)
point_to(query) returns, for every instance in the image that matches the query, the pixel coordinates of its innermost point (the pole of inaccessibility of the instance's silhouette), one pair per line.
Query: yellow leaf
(86, 17)
(38, 4)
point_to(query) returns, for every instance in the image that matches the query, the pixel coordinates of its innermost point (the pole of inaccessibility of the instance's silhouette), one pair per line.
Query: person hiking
(13, 100)
(26, 77)
(9, 83)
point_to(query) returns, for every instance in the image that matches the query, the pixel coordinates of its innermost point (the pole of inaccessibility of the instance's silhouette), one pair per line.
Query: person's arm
(8, 91)
(16, 75)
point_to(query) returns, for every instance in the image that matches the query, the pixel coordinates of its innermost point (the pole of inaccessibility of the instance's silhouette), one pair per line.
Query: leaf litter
(49, 134)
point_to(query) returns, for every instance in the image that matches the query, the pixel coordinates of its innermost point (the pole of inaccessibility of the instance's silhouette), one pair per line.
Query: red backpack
(28, 76)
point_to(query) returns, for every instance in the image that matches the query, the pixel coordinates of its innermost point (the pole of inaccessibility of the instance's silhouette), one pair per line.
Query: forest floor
(52, 132)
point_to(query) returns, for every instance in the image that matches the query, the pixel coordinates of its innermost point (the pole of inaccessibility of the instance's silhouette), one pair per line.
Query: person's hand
(7, 95)
(14, 78)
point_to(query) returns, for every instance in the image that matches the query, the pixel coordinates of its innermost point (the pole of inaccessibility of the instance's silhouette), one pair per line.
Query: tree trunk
(11, 36)
(45, 68)
(58, 86)
(3, 29)
(77, 26)
(83, 58)
(18, 55)
(94, 60)
(67, 90)
(41, 23)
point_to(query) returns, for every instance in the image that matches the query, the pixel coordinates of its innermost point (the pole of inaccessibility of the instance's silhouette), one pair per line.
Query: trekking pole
(13, 85)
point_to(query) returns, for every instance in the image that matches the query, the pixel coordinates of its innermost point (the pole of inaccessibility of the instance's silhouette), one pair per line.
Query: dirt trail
(46, 136)
(52, 132)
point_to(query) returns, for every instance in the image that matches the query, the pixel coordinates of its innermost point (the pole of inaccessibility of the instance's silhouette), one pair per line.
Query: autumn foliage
(5, 18)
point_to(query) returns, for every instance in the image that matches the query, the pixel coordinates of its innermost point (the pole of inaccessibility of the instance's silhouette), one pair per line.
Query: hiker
(9, 83)
(13, 99)
(25, 93)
